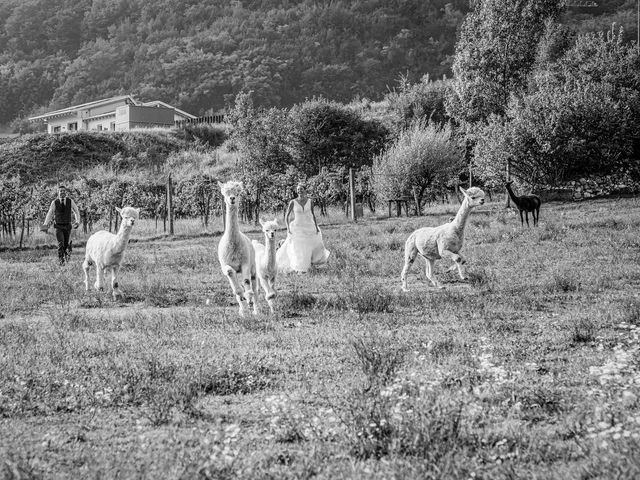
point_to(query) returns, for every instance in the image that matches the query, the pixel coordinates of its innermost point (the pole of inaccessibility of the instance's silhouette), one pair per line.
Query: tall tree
(495, 54)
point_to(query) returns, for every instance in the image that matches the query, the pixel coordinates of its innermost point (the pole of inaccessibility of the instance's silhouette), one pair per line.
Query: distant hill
(198, 54)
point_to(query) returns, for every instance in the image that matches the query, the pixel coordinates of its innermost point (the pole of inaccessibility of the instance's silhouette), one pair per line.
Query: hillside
(44, 157)
(197, 54)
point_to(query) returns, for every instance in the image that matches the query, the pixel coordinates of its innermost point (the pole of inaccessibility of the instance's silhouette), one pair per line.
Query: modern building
(115, 113)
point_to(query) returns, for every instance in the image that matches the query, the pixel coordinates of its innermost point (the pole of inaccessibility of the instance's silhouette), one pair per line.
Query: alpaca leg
(526, 215)
(271, 294)
(410, 253)
(85, 266)
(458, 261)
(521, 219)
(460, 265)
(249, 286)
(237, 289)
(537, 217)
(115, 288)
(99, 285)
(428, 270)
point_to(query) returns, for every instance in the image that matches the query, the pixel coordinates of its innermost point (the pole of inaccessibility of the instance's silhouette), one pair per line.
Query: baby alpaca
(444, 241)
(106, 250)
(235, 253)
(266, 261)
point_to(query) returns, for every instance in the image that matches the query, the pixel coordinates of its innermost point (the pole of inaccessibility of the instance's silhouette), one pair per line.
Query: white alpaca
(266, 261)
(235, 252)
(106, 250)
(444, 241)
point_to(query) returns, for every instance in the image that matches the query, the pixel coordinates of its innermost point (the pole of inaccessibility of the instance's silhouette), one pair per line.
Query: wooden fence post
(170, 204)
(352, 196)
(508, 204)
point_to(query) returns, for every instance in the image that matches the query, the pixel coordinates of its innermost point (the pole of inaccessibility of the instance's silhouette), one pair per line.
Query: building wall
(62, 124)
(130, 116)
(102, 123)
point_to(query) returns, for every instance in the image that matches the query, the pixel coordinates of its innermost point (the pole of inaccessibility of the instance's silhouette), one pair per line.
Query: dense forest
(198, 54)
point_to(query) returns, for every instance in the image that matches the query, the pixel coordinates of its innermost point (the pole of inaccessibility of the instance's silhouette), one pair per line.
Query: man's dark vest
(63, 211)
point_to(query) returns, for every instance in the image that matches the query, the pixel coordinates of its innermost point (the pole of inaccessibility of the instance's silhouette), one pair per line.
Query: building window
(73, 127)
(112, 126)
(57, 129)
(99, 127)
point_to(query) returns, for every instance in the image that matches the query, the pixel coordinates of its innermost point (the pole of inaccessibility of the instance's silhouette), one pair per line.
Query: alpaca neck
(122, 238)
(462, 215)
(513, 196)
(231, 227)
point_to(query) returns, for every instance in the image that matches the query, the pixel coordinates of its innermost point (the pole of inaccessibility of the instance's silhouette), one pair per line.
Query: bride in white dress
(303, 246)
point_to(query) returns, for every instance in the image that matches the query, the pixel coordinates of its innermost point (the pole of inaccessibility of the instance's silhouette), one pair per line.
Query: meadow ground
(531, 369)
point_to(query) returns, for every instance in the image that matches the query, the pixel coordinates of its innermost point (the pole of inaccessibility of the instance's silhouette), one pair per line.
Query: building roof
(75, 108)
(158, 103)
(128, 99)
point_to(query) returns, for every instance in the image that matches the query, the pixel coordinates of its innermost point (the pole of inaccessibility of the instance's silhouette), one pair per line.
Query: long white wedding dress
(304, 246)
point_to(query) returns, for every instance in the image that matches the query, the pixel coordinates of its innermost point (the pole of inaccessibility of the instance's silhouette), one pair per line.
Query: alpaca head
(129, 215)
(231, 191)
(474, 196)
(269, 228)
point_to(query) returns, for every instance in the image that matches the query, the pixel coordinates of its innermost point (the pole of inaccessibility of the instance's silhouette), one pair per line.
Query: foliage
(59, 157)
(211, 136)
(557, 134)
(424, 101)
(326, 134)
(495, 54)
(423, 157)
(199, 55)
(579, 119)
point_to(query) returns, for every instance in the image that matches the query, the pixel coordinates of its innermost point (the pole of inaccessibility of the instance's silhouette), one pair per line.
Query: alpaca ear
(119, 210)
(275, 220)
(220, 184)
(464, 192)
(138, 211)
(262, 222)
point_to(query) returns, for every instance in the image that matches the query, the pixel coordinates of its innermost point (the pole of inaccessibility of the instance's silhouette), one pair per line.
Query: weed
(631, 313)
(296, 301)
(563, 282)
(584, 331)
(379, 357)
(374, 299)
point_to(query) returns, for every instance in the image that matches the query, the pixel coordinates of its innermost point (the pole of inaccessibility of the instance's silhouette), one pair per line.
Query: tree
(424, 101)
(495, 54)
(261, 138)
(558, 133)
(580, 118)
(327, 134)
(423, 157)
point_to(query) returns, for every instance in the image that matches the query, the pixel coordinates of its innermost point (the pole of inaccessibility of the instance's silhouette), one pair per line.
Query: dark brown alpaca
(526, 204)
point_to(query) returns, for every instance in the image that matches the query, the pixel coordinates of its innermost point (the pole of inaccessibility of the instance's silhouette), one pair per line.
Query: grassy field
(531, 369)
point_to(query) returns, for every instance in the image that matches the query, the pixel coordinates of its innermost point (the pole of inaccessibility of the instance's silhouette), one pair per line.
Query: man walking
(60, 212)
